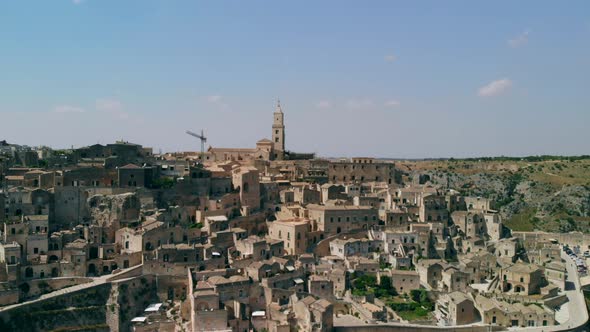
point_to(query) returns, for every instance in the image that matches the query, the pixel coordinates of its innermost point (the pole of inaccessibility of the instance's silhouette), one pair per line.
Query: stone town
(116, 238)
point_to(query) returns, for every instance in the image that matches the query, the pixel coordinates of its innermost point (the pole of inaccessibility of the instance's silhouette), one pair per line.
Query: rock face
(105, 210)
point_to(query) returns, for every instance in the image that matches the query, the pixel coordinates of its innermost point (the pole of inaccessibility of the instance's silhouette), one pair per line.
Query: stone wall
(128, 299)
(415, 328)
(69, 311)
(44, 286)
(572, 239)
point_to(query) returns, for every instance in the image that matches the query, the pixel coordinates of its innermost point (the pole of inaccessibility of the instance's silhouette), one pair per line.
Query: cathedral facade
(265, 149)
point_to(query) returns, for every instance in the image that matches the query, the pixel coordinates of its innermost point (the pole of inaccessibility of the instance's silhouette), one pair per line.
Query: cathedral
(265, 149)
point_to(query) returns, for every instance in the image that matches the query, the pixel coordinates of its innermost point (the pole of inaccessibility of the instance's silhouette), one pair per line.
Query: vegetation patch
(417, 306)
(524, 221)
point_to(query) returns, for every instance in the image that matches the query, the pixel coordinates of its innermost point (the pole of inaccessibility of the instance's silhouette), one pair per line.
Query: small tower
(278, 132)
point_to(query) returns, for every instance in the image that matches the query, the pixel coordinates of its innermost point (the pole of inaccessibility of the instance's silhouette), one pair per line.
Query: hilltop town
(118, 238)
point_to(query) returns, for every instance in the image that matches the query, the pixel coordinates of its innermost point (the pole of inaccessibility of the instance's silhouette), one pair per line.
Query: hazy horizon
(391, 80)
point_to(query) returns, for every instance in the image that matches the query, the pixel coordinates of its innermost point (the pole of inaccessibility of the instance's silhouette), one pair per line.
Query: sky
(392, 79)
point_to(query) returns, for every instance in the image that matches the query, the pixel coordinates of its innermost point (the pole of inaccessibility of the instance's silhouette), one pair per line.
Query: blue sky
(398, 79)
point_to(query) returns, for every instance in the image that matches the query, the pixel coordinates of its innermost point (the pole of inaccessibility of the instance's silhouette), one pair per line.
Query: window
(35, 250)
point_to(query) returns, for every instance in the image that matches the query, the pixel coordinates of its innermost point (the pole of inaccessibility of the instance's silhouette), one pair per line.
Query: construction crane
(203, 140)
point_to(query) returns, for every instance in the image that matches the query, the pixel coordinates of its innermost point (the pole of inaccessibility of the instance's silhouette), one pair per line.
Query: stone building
(430, 271)
(434, 208)
(455, 280)
(132, 176)
(335, 219)
(456, 308)
(352, 247)
(507, 249)
(246, 180)
(480, 266)
(206, 312)
(331, 191)
(362, 170)
(556, 273)
(320, 286)
(258, 248)
(314, 315)
(118, 154)
(522, 278)
(404, 281)
(472, 224)
(293, 232)
(500, 313)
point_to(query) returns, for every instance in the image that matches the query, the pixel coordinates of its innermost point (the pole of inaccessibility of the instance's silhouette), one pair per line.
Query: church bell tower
(278, 132)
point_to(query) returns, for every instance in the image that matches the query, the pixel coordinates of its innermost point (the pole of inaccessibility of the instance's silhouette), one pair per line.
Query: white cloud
(519, 40)
(356, 104)
(324, 104)
(108, 105)
(113, 106)
(77, 2)
(217, 101)
(392, 103)
(213, 98)
(495, 88)
(390, 58)
(68, 109)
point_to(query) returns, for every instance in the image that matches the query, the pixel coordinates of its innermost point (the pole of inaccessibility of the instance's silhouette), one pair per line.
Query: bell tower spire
(278, 132)
(279, 110)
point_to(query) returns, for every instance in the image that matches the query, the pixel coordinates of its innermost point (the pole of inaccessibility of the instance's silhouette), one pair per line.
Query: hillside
(550, 194)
